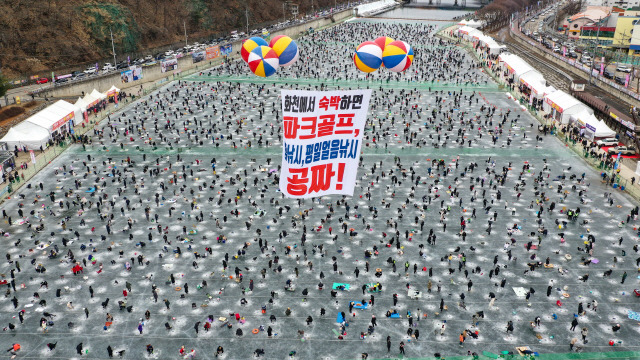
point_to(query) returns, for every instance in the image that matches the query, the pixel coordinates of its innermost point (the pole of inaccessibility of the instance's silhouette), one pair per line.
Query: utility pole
(312, 11)
(284, 15)
(113, 48)
(184, 24)
(246, 14)
(593, 59)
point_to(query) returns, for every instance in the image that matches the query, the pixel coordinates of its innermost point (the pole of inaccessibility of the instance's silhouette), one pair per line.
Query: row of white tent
(563, 107)
(36, 131)
(471, 34)
(472, 23)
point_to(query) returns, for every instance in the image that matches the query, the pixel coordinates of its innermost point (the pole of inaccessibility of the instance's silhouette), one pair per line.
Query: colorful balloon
(263, 61)
(368, 57)
(249, 45)
(397, 56)
(383, 41)
(286, 49)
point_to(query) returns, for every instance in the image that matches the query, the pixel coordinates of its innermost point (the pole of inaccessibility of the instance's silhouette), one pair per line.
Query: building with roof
(592, 16)
(624, 4)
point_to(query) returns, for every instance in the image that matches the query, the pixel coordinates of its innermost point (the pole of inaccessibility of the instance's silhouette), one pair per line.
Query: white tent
(564, 105)
(26, 134)
(464, 30)
(54, 116)
(536, 82)
(112, 91)
(98, 95)
(80, 104)
(471, 23)
(469, 33)
(494, 47)
(516, 65)
(81, 108)
(89, 101)
(582, 117)
(593, 128)
(602, 130)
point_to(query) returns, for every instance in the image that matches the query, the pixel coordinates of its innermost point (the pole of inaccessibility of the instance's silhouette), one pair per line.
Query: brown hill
(60, 34)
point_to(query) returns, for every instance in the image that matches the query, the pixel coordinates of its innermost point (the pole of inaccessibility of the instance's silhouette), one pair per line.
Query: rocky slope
(43, 35)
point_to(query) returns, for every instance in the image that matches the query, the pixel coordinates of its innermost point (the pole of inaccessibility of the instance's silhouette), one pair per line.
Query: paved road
(534, 26)
(22, 92)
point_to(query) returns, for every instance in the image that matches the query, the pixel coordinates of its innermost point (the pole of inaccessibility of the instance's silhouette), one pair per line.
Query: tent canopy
(602, 130)
(54, 116)
(89, 100)
(566, 105)
(470, 32)
(26, 134)
(597, 127)
(493, 45)
(471, 23)
(112, 91)
(535, 81)
(98, 95)
(517, 65)
(564, 101)
(80, 104)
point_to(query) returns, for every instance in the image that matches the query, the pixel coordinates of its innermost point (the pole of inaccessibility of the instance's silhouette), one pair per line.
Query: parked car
(107, 68)
(42, 81)
(619, 80)
(623, 68)
(122, 65)
(608, 74)
(607, 142)
(90, 70)
(572, 55)
(624, 150)
(148, 57)
(150, 63)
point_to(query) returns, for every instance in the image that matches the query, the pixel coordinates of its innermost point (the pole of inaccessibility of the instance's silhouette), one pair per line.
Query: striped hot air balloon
(368, 56)
(251, 44)
(286, 49)
(383, 41)
(397, 56)
(263, 61)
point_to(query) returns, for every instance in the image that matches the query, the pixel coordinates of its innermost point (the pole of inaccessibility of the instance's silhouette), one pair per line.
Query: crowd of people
(164, 233)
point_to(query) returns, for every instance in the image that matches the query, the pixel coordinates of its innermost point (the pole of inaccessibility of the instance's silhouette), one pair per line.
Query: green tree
(5, 85)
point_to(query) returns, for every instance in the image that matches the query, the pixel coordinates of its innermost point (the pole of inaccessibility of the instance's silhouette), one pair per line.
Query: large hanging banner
(322, 141)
